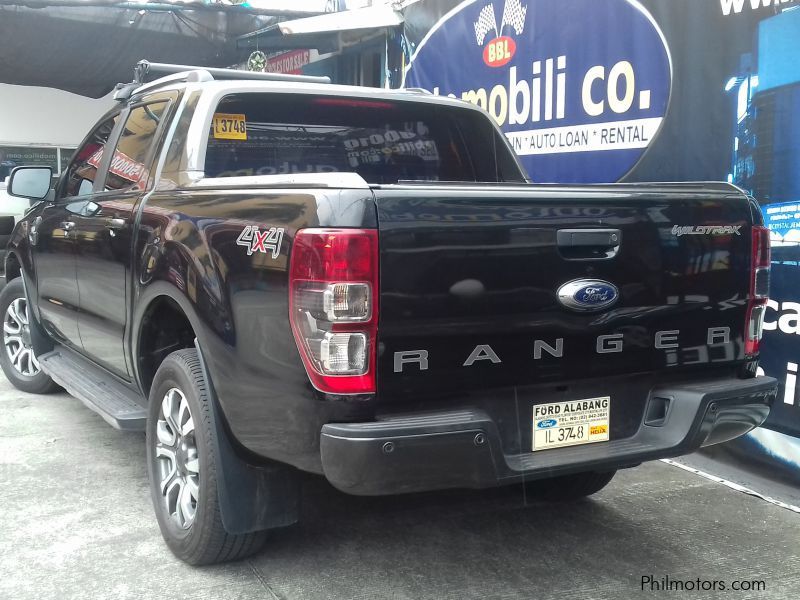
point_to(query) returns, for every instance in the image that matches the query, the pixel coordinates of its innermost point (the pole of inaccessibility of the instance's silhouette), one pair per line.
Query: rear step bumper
(462, 449)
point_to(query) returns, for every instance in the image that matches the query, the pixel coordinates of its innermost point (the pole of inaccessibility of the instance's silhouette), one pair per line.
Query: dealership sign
(288, 62)
(121, 165)
(579, 87)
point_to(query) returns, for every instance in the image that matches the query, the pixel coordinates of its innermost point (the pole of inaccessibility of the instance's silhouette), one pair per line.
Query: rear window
(383, 141)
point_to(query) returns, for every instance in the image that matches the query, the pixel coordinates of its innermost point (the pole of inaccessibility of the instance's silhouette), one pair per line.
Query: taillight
(759, 289)
(333, 307)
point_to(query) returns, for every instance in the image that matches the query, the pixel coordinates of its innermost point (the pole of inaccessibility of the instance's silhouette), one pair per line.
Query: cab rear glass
(383, 141)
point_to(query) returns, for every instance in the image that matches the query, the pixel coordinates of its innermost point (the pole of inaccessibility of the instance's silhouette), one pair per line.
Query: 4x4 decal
(261, 241)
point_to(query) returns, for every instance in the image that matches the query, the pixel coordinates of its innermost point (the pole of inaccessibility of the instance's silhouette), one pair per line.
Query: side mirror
(30, 182)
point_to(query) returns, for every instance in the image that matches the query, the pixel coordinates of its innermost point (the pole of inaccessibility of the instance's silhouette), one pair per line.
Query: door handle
(600, 238)
(588, 244)
(115, 223)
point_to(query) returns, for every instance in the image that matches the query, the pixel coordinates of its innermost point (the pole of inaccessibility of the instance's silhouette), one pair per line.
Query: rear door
(53, 238)
(470, 280)
(103, 236)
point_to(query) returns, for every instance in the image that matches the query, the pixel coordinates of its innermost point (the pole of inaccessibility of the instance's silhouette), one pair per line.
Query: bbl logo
(579, 87)
(501, 48)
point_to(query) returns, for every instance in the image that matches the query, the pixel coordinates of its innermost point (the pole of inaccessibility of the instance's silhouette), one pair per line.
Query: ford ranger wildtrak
(273, 275)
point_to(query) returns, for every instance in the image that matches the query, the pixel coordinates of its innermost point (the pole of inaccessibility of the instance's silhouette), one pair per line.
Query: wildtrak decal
(679, 230)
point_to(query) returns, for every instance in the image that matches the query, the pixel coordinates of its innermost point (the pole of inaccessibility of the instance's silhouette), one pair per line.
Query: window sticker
(229, 127)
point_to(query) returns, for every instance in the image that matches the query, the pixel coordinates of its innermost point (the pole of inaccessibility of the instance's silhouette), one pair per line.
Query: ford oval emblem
(547, 424)
(588, 294)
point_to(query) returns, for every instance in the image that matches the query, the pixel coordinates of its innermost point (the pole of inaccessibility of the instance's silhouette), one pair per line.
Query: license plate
(571, 423)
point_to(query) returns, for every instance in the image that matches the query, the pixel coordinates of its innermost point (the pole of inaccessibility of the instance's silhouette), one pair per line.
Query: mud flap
(251, 497)
(41, 342)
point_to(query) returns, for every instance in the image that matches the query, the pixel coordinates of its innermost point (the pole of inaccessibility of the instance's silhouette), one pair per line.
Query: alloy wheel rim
(17, 338)
(177, 461)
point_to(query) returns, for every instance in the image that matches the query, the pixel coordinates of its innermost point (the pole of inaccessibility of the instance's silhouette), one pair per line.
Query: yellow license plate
(229, 127)
(571, 423)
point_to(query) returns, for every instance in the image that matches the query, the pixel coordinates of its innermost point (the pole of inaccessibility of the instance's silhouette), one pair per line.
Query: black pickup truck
(274, 275)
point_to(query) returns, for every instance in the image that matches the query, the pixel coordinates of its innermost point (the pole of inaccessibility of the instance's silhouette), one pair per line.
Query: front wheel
(182, 466)
(17, 358)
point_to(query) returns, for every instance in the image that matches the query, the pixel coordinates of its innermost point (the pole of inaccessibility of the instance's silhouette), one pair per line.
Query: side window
(83, 169)
(130, 165)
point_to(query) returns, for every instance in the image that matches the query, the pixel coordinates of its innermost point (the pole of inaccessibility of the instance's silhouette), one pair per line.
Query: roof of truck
(237, 81)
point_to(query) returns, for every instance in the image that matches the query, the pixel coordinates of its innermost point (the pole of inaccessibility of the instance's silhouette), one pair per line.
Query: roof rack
(144, 70)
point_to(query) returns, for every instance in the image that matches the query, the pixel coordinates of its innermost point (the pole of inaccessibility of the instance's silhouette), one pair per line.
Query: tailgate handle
(588, 244)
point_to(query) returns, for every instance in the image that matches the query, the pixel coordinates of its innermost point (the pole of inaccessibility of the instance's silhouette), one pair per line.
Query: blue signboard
(777, 50)
(580, 87)
(647, 90)
(766, 155)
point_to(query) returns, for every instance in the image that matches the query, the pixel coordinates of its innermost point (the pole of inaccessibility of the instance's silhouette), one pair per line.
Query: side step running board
(120, 407)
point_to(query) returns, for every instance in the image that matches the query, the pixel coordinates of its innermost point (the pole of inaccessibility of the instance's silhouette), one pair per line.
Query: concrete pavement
(76, 522)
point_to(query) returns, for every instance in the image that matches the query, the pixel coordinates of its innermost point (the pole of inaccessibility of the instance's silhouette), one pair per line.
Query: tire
(16, 356)
(569, 488)
(195, 534)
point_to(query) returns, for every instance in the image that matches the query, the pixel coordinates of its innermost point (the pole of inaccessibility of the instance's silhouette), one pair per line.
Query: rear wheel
(17, 358)
(182, 467)
(569, 488)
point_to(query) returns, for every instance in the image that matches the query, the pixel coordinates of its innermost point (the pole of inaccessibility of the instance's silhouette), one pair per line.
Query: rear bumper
(462, 448)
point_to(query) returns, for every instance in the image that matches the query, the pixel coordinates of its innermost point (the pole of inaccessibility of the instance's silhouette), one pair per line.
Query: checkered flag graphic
(486, 22)
(513, 15)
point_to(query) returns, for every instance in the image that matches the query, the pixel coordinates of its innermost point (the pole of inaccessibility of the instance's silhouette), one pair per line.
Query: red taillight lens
(759, 289)
(333, 307)
(761, 247)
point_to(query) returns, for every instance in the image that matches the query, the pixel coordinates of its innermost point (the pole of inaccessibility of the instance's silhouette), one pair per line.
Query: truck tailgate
(470, 275)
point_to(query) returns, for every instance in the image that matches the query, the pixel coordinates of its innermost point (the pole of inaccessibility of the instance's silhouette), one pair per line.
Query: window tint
(83, 170)
(129, 168)
(383, 141)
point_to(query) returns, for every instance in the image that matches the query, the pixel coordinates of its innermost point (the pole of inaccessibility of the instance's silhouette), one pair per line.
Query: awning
(322, 30)
(86, 50)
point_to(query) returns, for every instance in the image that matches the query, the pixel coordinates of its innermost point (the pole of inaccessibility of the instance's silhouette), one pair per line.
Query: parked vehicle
(274, 275)
(11, 210)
